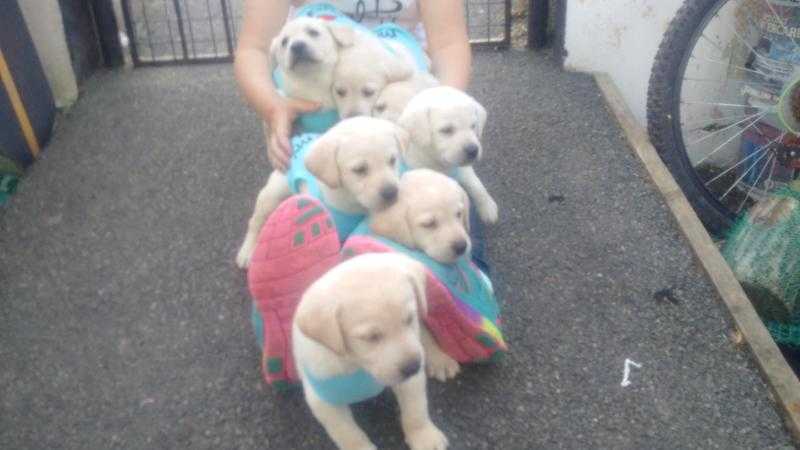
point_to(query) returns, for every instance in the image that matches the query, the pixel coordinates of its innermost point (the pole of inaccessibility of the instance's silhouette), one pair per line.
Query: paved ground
(123, 321)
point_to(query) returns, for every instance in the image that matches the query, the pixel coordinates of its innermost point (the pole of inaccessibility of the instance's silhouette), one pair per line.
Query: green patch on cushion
(308, 215)
(497, 357)
(282, 385)
(315, 230)
(299, 238)
(274, 365)
(302, 203)
(485, 340)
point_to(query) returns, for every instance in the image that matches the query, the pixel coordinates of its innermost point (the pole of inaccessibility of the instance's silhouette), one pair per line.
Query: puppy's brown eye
(374, 337)
(341, 92)
(459, 214)
(361, 170)
(312, 32)
(474, 126)
(380, 108)
(284, 41)
(392, 160)
(409, 320)
(448, 130)
(368, 92)
(430, 224)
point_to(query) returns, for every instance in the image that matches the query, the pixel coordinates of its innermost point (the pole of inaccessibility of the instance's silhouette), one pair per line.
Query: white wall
(619, 37)
(46, 26)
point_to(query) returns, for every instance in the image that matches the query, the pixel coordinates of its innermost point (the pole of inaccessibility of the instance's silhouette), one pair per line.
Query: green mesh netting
(785, 333)
(763, 249)
(10, 173)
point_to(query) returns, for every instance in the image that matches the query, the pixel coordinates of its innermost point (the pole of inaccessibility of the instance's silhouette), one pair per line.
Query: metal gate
(200, 31)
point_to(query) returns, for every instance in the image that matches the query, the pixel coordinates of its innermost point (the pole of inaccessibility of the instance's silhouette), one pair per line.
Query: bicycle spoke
(758, 151)
(747, 195)
(729, 105)
(726, 128)
(729, 140)
(735, 67)
(736, 33)
(744, 175)
(730, 80)
(713, 120)
(710, 41)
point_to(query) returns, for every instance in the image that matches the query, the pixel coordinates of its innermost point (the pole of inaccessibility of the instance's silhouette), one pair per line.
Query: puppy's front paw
(427, 438)
(487, 210)
(245, 253)
(441, 366)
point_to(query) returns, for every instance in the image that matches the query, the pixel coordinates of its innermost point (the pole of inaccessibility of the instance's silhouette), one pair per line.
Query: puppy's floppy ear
(392, 223)
(402, 137)
(480, 115)
(397, 69)
(416, 121)
(418, 277)
(343, 35)
(321, 160)
(319, 320)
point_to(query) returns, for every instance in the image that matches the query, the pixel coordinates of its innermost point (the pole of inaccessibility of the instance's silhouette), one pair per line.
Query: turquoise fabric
(463, 279)
(299, 174)
(341, 390)
(258, 325)
(392, 32)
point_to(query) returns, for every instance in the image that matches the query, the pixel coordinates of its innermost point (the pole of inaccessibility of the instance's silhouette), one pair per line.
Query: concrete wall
(46, 26)
(619, 37)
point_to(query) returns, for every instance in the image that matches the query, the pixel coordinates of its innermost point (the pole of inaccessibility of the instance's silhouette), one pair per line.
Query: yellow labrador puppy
(446, 125)
(362, 71)
(431, 214)
(394, 97)
(357, 331)
(355, 163)
(306, 51)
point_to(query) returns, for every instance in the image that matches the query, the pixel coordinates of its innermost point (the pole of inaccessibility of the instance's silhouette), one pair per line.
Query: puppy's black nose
(299, 48)
(389, 193)
(411, 368)
(459, 247)
(471, 150)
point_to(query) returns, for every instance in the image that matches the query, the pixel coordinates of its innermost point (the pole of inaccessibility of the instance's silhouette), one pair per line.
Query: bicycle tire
(662, 108)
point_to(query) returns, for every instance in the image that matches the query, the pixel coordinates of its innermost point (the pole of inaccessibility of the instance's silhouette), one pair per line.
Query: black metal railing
(201, 31)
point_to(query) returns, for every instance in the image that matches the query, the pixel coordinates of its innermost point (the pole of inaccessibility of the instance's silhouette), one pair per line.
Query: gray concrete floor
(124, 323)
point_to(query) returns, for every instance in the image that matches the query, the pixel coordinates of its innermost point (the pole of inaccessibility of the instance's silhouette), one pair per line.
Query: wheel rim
(789, 107)
(736, 112)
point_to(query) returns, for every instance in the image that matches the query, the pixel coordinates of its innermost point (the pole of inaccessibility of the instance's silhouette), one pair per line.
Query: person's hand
(280, 119)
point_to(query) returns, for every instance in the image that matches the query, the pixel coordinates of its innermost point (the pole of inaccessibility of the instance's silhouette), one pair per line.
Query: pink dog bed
(299, 243)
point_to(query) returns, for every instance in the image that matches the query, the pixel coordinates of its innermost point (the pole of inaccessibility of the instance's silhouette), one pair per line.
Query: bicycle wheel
(723, 106)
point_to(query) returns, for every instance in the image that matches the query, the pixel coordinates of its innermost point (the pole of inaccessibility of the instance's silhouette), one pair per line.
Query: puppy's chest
(315, 90)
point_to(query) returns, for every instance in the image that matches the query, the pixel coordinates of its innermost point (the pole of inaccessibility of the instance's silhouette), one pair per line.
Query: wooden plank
(781, 379)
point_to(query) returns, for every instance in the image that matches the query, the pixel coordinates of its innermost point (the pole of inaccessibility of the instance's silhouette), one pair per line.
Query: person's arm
(448, 43)
(263, 20)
